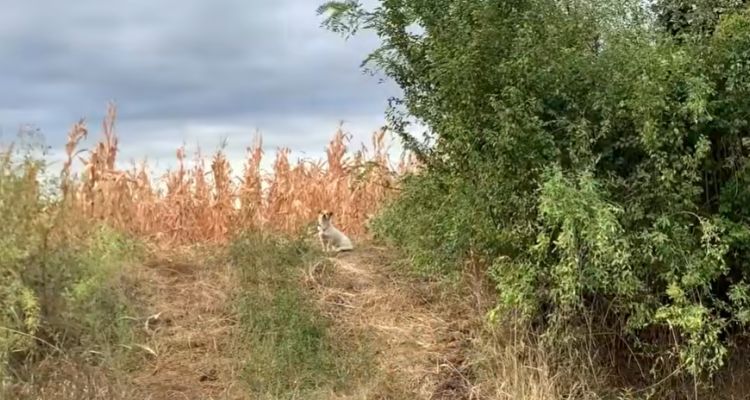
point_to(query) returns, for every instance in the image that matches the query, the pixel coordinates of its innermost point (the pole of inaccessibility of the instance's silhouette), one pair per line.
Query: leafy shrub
(597, 161)
(431, 235)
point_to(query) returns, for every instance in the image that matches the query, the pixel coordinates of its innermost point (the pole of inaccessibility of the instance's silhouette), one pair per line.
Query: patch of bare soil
(418, 339)
(189, 334)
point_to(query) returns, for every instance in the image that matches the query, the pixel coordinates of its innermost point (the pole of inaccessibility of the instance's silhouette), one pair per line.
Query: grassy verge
(288, 348)
(64, 305)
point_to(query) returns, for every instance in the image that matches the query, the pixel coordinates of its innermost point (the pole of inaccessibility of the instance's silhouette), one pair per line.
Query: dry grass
(65, 379)
(432, 342)
(208, 203)
(190, 331)
(510, 364)
(416, 345)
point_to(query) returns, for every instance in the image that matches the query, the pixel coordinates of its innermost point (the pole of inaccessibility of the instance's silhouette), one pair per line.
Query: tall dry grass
(208, 201)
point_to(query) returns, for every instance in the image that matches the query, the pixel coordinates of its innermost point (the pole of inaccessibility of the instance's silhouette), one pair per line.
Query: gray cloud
(185, 70)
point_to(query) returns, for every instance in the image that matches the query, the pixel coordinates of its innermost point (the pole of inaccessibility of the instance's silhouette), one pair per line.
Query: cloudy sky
(186, 71)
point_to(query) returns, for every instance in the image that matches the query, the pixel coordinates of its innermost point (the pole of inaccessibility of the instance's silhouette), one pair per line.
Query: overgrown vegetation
(289, 350)
(591, 156)
(61, 287)
(66, 291)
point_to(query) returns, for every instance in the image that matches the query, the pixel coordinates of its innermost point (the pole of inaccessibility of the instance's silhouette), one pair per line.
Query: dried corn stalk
(209, 205)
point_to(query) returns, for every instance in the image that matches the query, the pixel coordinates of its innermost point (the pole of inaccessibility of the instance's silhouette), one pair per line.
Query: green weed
(290, 351)
(61, 289)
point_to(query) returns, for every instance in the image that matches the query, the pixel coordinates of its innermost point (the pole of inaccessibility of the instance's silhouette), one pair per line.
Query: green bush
(596, 159)
(59, 289)
(431, 236)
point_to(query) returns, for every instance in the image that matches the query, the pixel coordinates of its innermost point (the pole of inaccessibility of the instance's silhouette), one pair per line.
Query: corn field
(207, 203)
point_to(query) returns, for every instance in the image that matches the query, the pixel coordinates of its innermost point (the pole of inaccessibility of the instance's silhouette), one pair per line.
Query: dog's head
(324, 217)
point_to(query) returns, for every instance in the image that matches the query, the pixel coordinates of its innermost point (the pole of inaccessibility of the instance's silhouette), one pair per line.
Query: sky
(186, 71)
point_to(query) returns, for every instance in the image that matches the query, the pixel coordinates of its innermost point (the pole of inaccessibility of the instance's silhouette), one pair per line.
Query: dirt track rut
(418, 338)
(189, 331)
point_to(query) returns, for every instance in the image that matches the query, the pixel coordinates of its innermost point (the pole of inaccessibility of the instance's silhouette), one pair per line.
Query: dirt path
(189, 332)
(418, 339)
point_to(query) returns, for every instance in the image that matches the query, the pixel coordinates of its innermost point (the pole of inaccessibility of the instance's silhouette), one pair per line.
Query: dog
(330, 237)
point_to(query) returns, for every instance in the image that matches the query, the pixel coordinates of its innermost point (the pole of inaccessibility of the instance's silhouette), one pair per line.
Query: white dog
(330, 237)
